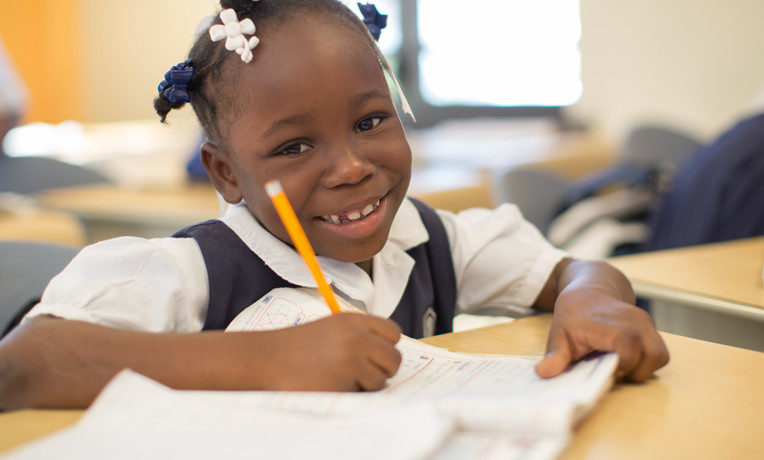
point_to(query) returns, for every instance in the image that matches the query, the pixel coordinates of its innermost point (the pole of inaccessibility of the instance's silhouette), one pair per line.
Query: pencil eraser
(273, 188)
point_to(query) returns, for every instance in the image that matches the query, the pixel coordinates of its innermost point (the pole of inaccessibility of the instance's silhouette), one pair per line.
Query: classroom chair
(27, 175)
(650, 144)
(610, 204)
(536, 192)
(25, 270)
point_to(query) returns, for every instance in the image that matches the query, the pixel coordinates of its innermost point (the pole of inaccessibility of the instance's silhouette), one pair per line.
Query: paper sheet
(284, 307)
(496, 404)
(135, 417)
(479, 392)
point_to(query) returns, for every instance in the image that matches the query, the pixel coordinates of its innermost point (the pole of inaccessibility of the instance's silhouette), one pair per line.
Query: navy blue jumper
(238, 277)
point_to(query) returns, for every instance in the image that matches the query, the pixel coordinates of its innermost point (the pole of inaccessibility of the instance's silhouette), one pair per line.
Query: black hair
(211, 61)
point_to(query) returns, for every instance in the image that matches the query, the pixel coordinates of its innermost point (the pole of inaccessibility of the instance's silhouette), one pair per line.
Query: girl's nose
(347, 166)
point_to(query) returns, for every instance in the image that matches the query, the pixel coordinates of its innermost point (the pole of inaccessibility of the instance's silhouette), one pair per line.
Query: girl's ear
(220, 170)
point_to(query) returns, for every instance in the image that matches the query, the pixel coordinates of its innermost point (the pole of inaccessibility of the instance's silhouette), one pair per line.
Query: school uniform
(499, 260)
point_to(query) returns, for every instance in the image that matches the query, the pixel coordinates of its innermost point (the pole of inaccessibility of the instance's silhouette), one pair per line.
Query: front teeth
(353, 215)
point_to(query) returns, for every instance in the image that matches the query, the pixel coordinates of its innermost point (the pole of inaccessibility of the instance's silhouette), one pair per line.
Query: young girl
(309, 105)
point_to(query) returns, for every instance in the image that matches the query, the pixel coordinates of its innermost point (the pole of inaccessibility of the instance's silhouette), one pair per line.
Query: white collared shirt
(160, 284)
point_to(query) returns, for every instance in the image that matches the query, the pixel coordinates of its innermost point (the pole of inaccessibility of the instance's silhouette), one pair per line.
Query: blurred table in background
(713, 292)
(108, 211)
(42, 226)
(452, 166)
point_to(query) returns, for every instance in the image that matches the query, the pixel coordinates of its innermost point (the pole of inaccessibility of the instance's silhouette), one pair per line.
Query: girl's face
(314, 111)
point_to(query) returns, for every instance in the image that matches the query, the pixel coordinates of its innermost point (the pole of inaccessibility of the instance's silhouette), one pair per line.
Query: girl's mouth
(355, 224)
(352, 216)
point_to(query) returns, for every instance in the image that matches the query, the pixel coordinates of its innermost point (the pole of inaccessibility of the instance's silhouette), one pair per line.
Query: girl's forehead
(303, 59)
(312, 41)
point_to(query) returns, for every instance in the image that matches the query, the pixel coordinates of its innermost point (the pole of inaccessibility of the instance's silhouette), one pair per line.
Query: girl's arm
(593, 306)
(49, 362)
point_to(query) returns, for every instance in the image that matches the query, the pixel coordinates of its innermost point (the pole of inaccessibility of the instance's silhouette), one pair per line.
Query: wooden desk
(43, 226)
(707, 403)
(108, 210)
(712, 292)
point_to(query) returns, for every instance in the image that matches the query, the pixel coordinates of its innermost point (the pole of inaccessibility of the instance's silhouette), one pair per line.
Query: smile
(352, 216)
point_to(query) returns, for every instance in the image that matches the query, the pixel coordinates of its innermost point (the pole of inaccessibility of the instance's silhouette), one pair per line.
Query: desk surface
(729, 271)
(707, 403)
(42, 226)
(187, 204)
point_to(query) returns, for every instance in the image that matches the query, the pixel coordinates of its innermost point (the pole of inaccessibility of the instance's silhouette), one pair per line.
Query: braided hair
(215, 68)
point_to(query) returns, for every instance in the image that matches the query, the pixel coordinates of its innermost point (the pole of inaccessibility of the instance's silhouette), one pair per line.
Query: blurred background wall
(689, 63)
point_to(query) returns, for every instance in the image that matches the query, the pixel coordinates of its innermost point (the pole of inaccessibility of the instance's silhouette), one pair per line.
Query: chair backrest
(25, 270)
(655, 145)
(536, 192)
(30, 174)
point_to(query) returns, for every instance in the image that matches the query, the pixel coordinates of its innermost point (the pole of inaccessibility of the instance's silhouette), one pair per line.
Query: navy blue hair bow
(373, 20)
(175, 83)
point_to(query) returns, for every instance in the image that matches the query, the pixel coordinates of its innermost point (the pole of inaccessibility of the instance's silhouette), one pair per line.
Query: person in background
(717, 193)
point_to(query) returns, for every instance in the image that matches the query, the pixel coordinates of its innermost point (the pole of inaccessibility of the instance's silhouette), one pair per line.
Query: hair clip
(175, 83)
(233, 31)
(374, 21)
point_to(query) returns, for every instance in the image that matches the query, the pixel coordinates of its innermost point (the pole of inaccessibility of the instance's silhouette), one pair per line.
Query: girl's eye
(369, 123)
(294, 149)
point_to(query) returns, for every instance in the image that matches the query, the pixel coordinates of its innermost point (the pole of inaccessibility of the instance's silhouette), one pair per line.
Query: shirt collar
(407, 231)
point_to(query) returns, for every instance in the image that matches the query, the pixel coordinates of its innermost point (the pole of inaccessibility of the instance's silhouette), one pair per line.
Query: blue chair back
(25, 270)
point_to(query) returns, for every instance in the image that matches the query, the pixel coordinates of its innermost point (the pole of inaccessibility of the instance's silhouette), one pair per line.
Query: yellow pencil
(300, 240)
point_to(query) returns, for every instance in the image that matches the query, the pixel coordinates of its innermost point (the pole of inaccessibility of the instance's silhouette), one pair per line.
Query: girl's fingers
(640, 351)
(371, 377)
(626, 343)
(385, 356)
(654, 356)
(558, 355)
(384, 328)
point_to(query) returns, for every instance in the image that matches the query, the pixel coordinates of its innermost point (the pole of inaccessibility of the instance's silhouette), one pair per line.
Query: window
(484, 58)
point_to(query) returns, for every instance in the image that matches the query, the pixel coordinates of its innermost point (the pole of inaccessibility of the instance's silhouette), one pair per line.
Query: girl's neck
(365, 266)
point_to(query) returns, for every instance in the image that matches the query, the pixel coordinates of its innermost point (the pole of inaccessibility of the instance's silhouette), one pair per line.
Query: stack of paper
(440, 405)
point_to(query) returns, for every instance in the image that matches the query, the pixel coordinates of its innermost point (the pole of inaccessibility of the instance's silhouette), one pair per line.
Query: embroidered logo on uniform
(428, 323)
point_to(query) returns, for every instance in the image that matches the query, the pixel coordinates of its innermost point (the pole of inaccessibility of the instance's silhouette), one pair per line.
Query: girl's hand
(587, 320)
(343, 352)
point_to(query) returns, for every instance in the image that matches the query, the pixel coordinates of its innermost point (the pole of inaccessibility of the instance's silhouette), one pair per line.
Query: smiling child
(305, 102)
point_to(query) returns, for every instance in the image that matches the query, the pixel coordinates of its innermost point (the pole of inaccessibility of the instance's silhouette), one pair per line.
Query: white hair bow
(233, 31)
